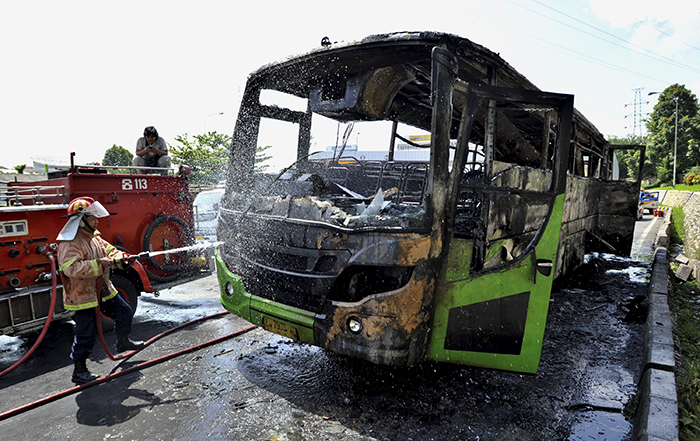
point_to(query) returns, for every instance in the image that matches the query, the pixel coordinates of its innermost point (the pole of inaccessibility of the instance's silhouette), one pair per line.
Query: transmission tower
(637, 113)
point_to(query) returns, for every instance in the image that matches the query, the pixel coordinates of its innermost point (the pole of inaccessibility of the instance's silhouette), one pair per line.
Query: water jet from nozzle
(198, 246)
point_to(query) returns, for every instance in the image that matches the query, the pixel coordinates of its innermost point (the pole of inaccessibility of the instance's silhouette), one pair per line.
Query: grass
(679, 187)
(686, 305)
(676, 232)
(685, 302)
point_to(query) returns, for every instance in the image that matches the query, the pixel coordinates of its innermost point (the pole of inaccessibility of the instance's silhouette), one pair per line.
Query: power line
(654, 55)
(668, 35)
(567, 51)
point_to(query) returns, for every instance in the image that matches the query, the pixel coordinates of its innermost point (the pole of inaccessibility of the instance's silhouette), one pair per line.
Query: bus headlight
(229, 289)
(354, 325)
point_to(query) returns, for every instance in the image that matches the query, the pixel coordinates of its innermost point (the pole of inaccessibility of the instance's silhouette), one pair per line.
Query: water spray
(146, 254)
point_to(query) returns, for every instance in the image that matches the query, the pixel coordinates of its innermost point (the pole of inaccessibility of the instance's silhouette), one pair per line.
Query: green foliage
(692, 179)
(664, 170)
(117, 156)
(686, 305)
(20, 168)
(260, 158)
(667, 186)
(626, 140)
(629, 159)
(692, 176)
(661, 127)
(206, 155)
(685, 296)
(676, 230)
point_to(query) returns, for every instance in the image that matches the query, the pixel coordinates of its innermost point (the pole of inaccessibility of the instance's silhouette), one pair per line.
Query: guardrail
(10, 196)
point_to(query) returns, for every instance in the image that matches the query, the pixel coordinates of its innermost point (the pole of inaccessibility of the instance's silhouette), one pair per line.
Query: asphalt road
(259, 386)
(644, 233)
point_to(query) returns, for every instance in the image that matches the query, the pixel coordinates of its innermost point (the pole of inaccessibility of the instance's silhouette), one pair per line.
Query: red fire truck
(150, 211)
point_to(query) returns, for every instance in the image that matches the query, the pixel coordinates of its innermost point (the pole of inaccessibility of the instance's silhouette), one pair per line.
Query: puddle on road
(638, 271)
(608, 386)
(11, 350)
(177, 306)
(600, 425)
(635, 274)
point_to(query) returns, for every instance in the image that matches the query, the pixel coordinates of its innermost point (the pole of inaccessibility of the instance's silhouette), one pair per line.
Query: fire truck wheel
(189, 238)
(126, 290)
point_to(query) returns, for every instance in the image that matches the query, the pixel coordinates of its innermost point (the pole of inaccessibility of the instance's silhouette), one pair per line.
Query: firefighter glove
(123, 262)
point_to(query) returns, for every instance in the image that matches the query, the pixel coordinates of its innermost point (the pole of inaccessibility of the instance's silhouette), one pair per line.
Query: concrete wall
(690, 201)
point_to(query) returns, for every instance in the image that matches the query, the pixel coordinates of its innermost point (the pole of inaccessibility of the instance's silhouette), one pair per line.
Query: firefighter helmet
(77, 210)
(86, 206)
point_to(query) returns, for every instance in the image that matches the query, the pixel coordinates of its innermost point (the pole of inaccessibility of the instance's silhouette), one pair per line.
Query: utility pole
(637, 112)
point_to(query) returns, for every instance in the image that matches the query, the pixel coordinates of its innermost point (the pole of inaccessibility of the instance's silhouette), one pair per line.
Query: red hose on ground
(126, 355)
(145, 364)
(48, 318)
(103, 342)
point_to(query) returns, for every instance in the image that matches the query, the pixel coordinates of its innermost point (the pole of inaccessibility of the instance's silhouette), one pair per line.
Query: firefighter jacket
(79, 268)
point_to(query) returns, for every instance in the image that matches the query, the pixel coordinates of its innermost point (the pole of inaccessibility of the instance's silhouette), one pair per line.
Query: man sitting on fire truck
(85, 260)
(151, 150)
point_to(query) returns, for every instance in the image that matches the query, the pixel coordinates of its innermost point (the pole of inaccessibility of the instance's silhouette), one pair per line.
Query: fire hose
(113, 375)
(52, 261)
(128, 259)
(145, 364)
(100, 334)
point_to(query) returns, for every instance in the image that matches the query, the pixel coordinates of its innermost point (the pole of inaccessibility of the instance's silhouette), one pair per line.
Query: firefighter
(151, 150)
(85, 260)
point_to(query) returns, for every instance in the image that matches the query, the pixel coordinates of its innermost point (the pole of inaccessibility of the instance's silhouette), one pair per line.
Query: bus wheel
(126, 290)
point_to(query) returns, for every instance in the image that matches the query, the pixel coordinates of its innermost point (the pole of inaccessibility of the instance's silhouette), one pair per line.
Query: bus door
(505, 203)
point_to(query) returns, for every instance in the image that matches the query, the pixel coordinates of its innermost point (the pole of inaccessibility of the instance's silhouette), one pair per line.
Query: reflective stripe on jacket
(79, 268)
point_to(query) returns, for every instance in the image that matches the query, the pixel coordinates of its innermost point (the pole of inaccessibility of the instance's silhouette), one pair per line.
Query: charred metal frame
(381, 290)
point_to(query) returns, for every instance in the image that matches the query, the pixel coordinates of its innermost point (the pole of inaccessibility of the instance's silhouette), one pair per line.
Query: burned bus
(446, 255)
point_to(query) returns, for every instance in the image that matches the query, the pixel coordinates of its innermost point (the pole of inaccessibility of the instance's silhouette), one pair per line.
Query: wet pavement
(260, 386)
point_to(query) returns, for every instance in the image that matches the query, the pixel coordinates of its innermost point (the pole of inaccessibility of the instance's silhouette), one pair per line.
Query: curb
(657, 412)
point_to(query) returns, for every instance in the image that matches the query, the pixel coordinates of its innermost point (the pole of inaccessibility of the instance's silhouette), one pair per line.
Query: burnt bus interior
(308, 233)
(348, 194)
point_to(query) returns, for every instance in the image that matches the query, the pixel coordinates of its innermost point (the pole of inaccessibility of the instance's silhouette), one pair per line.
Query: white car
(206, 212)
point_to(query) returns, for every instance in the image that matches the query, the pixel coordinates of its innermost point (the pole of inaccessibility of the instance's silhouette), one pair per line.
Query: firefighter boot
(81, 374)
(126, 344)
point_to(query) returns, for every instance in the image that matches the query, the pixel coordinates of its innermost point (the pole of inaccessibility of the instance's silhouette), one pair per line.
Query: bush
(692, 179)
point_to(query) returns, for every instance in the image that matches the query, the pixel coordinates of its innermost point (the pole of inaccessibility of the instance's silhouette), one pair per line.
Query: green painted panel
(460, 252)
(239, 302)
(456, 293)
(285, 312)
(253, 308)
(305, 334)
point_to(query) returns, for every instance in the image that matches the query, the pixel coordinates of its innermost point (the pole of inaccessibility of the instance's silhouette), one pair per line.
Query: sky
(81, 76)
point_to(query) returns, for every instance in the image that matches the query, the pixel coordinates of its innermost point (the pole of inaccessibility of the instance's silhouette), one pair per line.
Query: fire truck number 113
(138, 184)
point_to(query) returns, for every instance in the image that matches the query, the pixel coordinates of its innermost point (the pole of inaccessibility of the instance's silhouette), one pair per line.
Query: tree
(20, 168)
(629, 159)
(208, 156)
(661, 127)
(117, 156)
(261, 157)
